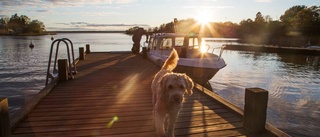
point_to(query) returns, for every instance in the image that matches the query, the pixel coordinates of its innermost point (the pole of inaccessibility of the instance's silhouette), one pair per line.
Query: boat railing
(214, 48)
(71, 65)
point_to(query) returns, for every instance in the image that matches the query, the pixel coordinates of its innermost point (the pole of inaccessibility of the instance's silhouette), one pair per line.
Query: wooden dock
(273, 49)
(111, 96)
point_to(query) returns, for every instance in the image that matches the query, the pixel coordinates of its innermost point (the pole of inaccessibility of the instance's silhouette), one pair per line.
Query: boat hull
(198, 75)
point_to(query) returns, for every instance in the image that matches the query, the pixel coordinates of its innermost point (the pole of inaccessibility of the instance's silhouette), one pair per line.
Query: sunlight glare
(114, 119)
(203, 18)
(204, 47)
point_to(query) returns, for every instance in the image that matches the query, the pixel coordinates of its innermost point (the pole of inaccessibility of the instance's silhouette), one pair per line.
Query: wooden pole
(63, 70)
(255, 109)
(4, 118)
(81, 53)
(88, 48)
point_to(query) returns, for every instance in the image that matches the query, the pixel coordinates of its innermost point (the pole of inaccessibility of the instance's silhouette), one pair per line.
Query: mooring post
(81, 53)
(4, 118)
(255, 109)
(63, 70)
(88, 48)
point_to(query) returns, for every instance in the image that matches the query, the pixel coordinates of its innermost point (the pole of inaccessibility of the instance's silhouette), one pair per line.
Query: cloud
(117, 25)
(86, 24)
(70, 2)
(78, 23)
(83, 26)
(42, 10)
(6, 3)
(62, 23)
(2, 16)
(9, 7)
(263, 0)
(208, 7)
(12, 3)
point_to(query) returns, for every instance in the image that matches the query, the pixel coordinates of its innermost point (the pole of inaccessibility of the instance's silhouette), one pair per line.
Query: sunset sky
(123, 14)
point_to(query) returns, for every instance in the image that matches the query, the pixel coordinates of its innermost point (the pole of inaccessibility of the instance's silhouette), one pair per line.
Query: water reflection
(292, 82)
(23, 70)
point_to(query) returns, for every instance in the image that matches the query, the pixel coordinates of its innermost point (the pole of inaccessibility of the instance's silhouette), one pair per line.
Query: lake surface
(292, 80)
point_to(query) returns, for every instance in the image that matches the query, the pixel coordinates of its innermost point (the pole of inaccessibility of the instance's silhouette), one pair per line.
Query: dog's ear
(189, 84)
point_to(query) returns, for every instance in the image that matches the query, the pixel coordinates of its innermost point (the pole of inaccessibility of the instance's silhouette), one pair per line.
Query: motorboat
(309, 46)
(194, 57)
(313, 47)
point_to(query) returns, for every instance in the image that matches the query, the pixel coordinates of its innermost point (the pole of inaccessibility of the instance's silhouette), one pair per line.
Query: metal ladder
(71, 66)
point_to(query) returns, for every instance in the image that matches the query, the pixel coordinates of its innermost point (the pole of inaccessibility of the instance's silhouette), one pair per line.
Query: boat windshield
(193, 43)
(153, 43)
(166, 43)
(179, 41)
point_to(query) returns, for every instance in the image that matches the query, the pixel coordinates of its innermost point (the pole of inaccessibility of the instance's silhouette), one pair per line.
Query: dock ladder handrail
(71, 66)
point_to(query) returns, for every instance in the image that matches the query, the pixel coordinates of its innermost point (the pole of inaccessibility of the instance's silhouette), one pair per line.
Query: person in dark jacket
(136, 38)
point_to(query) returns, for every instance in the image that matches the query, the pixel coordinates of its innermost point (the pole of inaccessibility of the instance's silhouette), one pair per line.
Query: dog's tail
(171, 61)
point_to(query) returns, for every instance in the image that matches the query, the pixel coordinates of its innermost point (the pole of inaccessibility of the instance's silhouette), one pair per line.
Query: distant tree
(254, 31)
(226, 30)
(259, 24)
(168, 28)
(155, 29)
(275, 30)
(268, 18)
(261, 30)
(36, 26)
(131, 31)
(245, 28)
(305, 20)
(21, 25)
(259, 18)
(290, 14)
(18, 24)
(4, 23)
(188, 26)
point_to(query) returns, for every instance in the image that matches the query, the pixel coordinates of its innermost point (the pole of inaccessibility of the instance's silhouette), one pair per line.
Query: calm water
(292, 80)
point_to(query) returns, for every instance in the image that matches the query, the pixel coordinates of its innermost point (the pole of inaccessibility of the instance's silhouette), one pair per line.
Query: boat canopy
(169, 40)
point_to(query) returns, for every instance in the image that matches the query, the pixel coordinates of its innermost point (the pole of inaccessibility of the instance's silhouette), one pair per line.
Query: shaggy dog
(168, 91)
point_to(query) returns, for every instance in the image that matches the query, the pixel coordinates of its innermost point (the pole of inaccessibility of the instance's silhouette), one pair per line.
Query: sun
(203, 18)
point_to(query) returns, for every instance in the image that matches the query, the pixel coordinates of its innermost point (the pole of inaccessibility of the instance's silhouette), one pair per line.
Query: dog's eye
(181, 87)
(170, 87)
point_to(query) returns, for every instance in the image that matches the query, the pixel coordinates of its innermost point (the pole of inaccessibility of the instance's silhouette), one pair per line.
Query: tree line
(297, 26)
(20, 25)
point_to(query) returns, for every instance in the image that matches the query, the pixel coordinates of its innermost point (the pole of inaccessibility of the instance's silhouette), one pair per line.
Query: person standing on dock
(136, 38)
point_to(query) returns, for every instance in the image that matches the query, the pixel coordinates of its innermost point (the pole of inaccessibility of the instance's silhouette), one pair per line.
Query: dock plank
(118, 85)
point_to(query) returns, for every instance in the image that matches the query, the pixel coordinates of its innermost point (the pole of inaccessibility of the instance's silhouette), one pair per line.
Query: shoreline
(85, 31)
(55, 33)
(29, 34)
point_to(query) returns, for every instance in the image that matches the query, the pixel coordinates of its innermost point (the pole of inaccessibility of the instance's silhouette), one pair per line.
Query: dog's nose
(177, 98)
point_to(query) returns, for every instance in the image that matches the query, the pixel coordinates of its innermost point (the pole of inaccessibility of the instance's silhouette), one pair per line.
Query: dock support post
(81, 53)
(4, 118)
(255, 109)
(63, 70)
(88, 48)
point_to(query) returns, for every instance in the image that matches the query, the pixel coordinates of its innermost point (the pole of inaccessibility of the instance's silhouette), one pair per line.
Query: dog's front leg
(159, 124)
(172, 121)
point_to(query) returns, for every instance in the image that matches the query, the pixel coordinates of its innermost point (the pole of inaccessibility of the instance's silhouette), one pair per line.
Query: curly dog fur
(168, 91)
